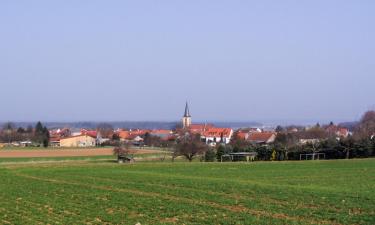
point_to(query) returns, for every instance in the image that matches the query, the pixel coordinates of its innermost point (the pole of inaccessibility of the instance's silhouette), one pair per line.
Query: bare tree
(123, 153)
(8, 132)
(190, 146)
(105, 130)
(366, 126)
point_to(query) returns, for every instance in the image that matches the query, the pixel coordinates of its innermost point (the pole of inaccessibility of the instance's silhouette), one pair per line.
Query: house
(161, 133)
(337, 131)
(78, 141)
(57, 134)
(200, 128)
(64, 132)
(131, 134)
(261, 138)
(91, 133)
(217, 135)
(54, 141)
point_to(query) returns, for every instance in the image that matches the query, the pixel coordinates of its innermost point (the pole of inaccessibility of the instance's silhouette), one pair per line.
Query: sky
(141, 60)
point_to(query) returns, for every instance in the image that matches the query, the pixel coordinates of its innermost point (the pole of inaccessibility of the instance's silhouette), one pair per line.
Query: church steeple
(187, 113)
(186, 120)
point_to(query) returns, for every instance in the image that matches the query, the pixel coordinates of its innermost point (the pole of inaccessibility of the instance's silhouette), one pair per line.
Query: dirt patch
(66, 152)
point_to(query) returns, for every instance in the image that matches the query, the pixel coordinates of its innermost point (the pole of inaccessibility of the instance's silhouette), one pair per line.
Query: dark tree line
(39, 135)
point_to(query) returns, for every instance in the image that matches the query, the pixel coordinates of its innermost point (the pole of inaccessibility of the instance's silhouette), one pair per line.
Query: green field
(97, 159)
(101, 192)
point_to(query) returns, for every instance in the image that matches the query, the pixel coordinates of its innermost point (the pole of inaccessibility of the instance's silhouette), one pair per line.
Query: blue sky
(141, 60)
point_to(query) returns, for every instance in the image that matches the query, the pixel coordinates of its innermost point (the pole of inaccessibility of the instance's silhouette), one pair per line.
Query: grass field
(100, 192)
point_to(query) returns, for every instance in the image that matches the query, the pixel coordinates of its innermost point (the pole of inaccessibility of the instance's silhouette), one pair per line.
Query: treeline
(332, 148)
(288, 146)
(38, 135)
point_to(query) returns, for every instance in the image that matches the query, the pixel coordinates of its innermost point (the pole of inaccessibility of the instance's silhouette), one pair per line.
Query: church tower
(186, 120)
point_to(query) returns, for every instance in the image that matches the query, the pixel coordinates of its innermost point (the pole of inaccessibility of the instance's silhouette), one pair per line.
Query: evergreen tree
(210, 155)
(41, 135)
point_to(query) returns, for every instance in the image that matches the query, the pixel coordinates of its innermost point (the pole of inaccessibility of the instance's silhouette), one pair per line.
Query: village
(278, 143)
(209, 134)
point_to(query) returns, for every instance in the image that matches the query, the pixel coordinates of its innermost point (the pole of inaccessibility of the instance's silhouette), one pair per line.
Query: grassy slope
(326, 192)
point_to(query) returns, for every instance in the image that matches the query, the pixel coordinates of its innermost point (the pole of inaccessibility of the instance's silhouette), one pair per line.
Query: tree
(284, 142)
(41, 135)
(45, 137)
(220, 152)
(273, 155)
(264, 152)
(123, 152)
(115, 137)
(8, 132)
(21, 130)
(29, 129)
(151, 140)
(348, 145)
(366, 126)
(209, 155)
(279, 129)
(105, 130)
(190, 146)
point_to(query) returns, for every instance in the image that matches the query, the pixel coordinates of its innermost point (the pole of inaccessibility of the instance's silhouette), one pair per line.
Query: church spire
(187, 113)
(186, 120)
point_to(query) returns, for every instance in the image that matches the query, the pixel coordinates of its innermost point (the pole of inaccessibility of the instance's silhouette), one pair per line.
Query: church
(209, 133)
(186, 119)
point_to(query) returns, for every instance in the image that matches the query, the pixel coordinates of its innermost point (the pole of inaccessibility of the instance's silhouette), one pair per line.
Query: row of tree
(38, 135)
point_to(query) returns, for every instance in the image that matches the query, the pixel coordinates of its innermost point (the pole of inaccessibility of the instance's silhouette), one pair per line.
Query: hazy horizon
(231, 60)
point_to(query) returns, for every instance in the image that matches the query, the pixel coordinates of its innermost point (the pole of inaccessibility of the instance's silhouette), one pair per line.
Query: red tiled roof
(200, 128)
(243, 135)
(339, 131)
(260, 137)
(91, 133)
(218, 132)
(126, 134)
(342, 132)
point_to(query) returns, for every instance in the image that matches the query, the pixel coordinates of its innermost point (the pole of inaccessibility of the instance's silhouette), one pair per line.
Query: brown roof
(260, 137)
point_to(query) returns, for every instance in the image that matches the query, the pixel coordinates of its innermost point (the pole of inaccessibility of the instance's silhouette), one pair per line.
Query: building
(217, 135)
(200, 128)
(261, 138)
(244, 133)
(126, 135)
(91, 133)
(164, 135)
(78, 141)
(54, 141)
(337, 131)
(186, 119)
